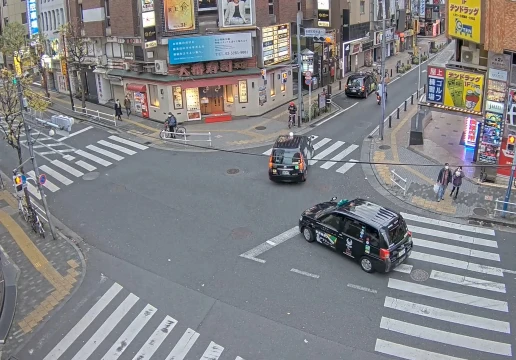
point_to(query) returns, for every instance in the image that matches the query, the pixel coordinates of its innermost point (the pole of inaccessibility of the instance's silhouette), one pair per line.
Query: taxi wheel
(366, 264)
(308, 234)
(366, 93)
(303, 179)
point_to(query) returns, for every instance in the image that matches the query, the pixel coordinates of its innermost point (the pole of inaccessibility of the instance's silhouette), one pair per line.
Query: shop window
(273, 84)
(283, 87)
(271, 7)
(242, 91)
(24, 18)
(177, 94)
(153, 95)
(362, 7)
(229, 94)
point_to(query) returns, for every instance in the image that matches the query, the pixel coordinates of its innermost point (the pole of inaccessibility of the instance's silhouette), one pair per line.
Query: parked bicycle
(35, 222)
(166, 134)
(23, 209)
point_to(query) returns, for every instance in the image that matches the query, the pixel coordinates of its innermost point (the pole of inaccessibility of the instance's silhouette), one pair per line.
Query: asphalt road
(167, 229)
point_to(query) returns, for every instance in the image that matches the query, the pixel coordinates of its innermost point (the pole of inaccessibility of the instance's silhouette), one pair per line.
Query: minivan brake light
(384, 254)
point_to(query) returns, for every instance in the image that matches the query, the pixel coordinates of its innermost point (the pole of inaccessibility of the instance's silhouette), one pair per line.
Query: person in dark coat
(443, 179)
(458, 174)
(118, 110)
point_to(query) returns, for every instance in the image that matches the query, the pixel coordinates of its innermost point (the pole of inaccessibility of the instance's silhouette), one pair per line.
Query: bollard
(424, 89)
(417, 94)
(391, 72)
(405, 105)
(412, 99)
(340, 84)
(390, 119)
(398, 113)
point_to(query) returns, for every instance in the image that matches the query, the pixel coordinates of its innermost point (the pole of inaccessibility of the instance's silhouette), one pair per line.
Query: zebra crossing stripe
(184, 345)
(445, 337)
(48, 185)
(127, 142)
(213, 352)
(468, 281)
(453, 236)
(67, 168)
(321, 143)
(456, 249)
(62, 179)
(326, 152)
(156, 339)
(117, 147)
(33, 190)
(85, 165)
(347, 166)
(410, 353)
(85, 321)
(93, 158)
(459, 264)
(109, 154)
(441, 223)
(339, 156)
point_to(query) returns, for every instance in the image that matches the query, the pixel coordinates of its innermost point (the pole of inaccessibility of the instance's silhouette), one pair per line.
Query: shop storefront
(377, 44)
(103, 86)
(407, 39)
(138, 95)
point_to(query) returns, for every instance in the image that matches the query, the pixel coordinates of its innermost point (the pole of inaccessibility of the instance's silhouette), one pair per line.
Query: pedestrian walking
(457, 181)
(127, 105)
(118, 110)
(172, 123)
(443, 179)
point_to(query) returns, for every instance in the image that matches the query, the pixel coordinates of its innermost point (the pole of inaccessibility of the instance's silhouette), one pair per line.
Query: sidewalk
(237, 134)
(47, 273)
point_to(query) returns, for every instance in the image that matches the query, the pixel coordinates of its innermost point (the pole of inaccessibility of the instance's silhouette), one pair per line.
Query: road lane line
(409, 353)
(336, 114)
(321, 143)
(130, 333)
(403, 268)
(56, 152)
(326, 152)
(127, 142)
(339, 156)
(69, 157)
(33, 190)
(358, 287)
(447, 315)
(347, 166)
(109, 154)
(117, 147)
(445, 337)
(468, 281)
(156, 339)
(451, 225)
(453, 296)
(268, 152)
(213, 352)
(263, 247)
(184, 345)
(107, 326)
(85, 321)
(48, 185)
(93, 158)
(456, 249)
(301, 272)
(459, 264)
(85, 165)
(75, 133)
(67, 168)
(62, 179)
(452, 236)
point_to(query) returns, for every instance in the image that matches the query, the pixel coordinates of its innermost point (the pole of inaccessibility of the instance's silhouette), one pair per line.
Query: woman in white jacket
(235, 13)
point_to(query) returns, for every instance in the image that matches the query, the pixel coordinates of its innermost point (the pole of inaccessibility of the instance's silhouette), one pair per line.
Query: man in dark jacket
(443, 179)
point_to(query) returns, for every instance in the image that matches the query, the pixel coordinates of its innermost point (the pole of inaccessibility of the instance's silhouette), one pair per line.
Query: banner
(463, 91)
(464, 18)
(179, 15)
(236, 13)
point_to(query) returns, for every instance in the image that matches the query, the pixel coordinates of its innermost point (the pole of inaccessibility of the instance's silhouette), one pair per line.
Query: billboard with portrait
(236, 13)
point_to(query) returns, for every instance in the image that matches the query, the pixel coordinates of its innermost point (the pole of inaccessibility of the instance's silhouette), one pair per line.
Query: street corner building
(474, 78)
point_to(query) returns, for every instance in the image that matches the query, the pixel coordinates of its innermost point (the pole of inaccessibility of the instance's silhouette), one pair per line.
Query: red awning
(137, 87)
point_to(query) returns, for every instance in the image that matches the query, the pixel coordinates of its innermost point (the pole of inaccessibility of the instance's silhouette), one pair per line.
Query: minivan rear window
(396, 231)
(285, 156)
(356, 82)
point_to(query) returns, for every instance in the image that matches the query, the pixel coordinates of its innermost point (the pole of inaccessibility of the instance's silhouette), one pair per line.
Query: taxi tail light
(409, 233)
(345, 87)
(363, 88)
(384, 254)
(270, 162)
(301, 164)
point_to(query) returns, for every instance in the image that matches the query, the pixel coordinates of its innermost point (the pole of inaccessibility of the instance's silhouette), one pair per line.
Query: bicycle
(36, 224)
(291, 120)
(23, 210)
(165, 133)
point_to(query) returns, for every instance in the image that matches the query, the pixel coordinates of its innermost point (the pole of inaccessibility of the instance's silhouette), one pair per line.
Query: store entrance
(212, 100)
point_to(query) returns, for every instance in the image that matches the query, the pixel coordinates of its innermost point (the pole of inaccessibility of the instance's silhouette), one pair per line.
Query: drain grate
(260, 127)
(480, 211)
(233, 171)
(384, 147)
(91, 175)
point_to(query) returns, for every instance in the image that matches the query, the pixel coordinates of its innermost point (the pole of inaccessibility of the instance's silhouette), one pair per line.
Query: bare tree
(76, 49)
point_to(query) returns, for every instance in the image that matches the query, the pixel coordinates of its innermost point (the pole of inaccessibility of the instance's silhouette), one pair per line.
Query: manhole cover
(233, 171)
(260, 127)
(240, 233)
(419, 275)
(384, 147)
(480, 211)
(91, 175)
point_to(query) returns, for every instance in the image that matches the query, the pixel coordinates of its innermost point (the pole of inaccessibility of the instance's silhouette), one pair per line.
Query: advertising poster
(179, 15)
(275, 44)
(511, 107)
(236, 13)
(464, 18)
(463, 91)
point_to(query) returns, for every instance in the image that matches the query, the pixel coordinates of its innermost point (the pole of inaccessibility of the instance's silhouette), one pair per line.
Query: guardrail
(95, 115)
(185, 137)
(399, 182)
(511, 208)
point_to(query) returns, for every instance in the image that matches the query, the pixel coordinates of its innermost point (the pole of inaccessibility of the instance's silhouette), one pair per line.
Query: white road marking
(509, 271)
(300, 272)
(268, 152)
(56, 152)
(85, 321)
(358, 287)
(403, 268)
(445, 337)
(127, 142)
(48, 185)
(326, 152)
(62, 179)
(213, 352)
(105, 152)
(69, 157)
(93, 158)
(130, 333)
(448, 295)
(117, 147)
(76, 133)
(46, 146)
(336, 114)
(156, 339)
(33, 190)
(347, 166)
(452, 236)
(447, 315)
(184, 345)
(409, 353)
(107, 326)
(260, 249)
(85, 165)
(467, 281)
(321, 143)
(239, 358)
(459, 264)
(340, 156)
(441, 223)
(456, 249)
(67, 168)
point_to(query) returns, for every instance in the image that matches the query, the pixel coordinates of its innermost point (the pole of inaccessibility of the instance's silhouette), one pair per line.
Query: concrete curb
(494, 221)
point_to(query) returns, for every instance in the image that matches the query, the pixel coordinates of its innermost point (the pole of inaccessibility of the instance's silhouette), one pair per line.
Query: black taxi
(376, 237)
(289, 158)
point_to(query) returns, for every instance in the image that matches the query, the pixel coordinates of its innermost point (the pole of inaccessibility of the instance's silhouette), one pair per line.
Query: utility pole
(299, 65)
(384, 42)
(418, 75)
(33, 158)
(68, 83)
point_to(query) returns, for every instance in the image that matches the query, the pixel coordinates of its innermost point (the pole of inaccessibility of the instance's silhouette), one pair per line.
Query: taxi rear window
(285, 156)
(396, 231)
(355, 81)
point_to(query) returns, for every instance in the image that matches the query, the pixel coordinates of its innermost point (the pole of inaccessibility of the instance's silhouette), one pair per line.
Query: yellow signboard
(64, 67)
(17, 66)
(463, 91)
(464, 18)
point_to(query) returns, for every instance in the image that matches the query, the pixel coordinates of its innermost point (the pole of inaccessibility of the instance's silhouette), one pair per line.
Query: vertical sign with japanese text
(32, 15)
(435, 85)
(464, 18)
(323, 13)
(179, 15)
(149, 24)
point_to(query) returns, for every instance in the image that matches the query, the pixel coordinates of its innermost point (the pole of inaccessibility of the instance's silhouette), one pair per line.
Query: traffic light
(327, 40)
(322, 39)
(263, 72)
(18, 183)
(284, 78)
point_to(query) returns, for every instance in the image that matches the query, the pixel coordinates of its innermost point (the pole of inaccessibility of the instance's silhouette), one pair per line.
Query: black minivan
(360, 85)
(375, 236)
(289, 158)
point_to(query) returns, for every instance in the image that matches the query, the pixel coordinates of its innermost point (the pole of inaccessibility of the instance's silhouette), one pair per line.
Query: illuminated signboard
(275, 44)
(32, 15)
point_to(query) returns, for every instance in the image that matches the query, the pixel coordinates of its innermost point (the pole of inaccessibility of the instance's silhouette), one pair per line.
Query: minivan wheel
(308, 234)
(366, 264)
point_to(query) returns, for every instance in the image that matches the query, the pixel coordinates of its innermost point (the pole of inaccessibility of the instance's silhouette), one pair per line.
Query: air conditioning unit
(127, 66)
(469, 56)
(160, 67)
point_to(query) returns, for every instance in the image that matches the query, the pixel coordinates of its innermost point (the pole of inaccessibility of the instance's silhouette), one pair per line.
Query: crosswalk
(326, 147)
(120, 325)
(448, 301)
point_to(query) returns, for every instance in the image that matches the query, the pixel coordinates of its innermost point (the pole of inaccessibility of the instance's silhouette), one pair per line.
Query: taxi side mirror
(334, 198)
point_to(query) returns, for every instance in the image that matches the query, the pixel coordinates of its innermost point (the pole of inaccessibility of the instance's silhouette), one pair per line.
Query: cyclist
(292, 110)
(172, 123)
